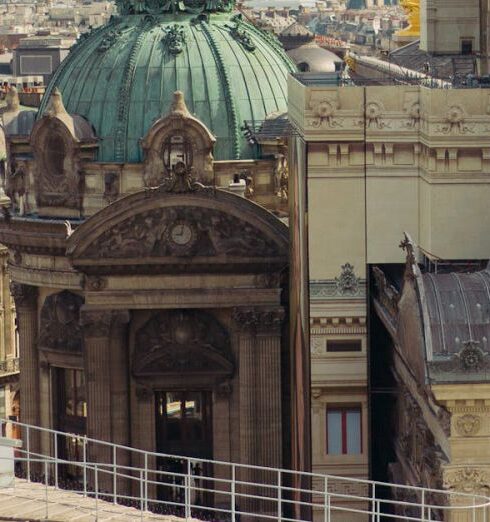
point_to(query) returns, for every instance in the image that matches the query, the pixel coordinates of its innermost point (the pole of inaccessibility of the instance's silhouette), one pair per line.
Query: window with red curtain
(344, 430)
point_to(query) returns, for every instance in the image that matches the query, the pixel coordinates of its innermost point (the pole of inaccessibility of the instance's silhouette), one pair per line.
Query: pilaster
(26, 297)
(96, 329)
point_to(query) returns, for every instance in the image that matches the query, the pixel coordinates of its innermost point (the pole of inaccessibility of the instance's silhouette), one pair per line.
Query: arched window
(55, 154)
(177, 149)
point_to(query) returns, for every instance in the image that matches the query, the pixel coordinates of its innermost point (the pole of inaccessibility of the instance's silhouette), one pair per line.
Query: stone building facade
(374, 162)
(148, 250)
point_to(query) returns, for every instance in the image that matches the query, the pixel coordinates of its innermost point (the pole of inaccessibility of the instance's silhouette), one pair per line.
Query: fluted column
(96, 329)
(260, 396)
(25, 297)
(268, 388)
(120, 391)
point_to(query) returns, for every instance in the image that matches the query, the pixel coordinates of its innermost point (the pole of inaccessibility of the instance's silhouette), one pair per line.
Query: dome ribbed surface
(122, 78)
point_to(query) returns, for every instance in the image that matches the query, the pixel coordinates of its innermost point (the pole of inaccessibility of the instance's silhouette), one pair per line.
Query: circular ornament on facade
(455, 114)
(182, 235)
(471, 357)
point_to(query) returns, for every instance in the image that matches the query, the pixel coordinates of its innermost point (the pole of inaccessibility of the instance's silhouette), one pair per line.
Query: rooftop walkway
(27, 502)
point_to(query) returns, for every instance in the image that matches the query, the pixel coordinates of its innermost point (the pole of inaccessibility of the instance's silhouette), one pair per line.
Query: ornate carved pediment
(189, 231)
(182, 341)
(156, 228)
(60, 323)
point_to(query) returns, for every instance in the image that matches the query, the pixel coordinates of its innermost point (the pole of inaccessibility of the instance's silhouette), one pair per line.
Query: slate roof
(440, 66)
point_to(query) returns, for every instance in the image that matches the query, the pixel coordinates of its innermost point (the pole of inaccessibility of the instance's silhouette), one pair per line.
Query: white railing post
(233, 491)
(187, 491)
(114, 474)
(142, 508)
(96, 483)
(146, 481)
(28, 447)
(474, 509)
(326, 501)
(422, 517)
(373, 503)
(279, 495)
(46, 487)
(84, 466)
(56, 461)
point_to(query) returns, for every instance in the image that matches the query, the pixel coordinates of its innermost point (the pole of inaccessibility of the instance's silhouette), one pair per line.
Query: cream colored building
(375, 162)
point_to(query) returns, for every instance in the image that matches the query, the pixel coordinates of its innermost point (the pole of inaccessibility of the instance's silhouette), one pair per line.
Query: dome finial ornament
(178, 104)
(56, 106)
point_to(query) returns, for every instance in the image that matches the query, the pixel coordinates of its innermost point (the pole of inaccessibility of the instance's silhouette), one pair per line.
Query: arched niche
(60, 329)
(178, 139)
(182, 348)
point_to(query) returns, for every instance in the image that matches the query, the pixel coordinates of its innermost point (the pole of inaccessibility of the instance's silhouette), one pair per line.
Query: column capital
(120, 317)
(25, 296)
(96, 323)
(258, 319)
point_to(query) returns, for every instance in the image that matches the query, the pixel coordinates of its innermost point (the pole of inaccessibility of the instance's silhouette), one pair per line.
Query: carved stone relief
(254, 320)
(182, 341)
(468, 425)
(281, 177)
(467, 480)
(454, 122)
(60, 323)
(25, 296)
(348, 282)
(184, 231)
(324, 110)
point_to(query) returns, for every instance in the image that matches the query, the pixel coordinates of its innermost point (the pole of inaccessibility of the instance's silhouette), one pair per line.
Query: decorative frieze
(259, 320)
(467, 479)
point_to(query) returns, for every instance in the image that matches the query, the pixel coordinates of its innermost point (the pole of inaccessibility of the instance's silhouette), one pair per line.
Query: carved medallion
(468, 425)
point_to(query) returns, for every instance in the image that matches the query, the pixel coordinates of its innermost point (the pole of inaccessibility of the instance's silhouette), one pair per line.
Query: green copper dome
(122, 76)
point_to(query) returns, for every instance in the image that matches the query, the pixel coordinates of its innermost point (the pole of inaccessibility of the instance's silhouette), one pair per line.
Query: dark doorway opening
(184, 428)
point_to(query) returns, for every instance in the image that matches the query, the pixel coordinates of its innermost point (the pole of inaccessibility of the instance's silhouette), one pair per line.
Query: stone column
(120, 392)
(25, 297)
(260, 395)
(96, 329)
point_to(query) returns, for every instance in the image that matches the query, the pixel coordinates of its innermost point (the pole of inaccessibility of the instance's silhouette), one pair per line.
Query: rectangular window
(344, 433)
(344, 345)
(466, 46)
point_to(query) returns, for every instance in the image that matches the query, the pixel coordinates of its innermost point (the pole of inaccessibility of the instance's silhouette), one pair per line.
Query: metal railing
(219, 491)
